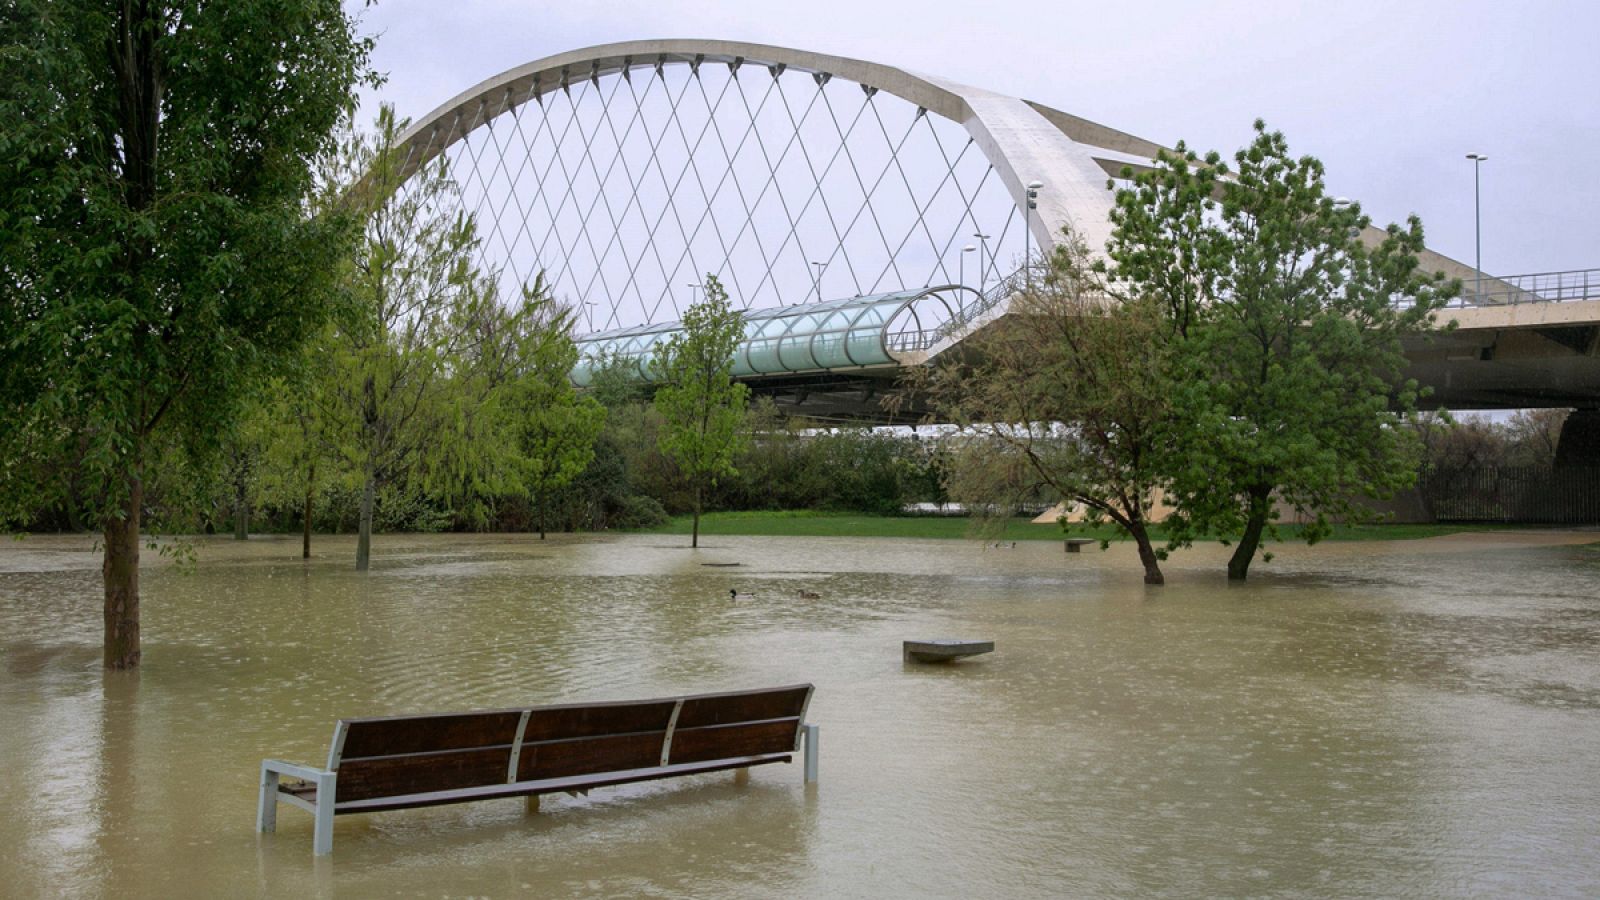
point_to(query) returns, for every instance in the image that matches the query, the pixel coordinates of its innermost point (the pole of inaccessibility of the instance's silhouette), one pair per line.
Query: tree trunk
(694, 539)
(1245, 552)
(241, 518)
(1147, 554)
(541, 518)
(364, 536)
(120, 573)
(305, 515)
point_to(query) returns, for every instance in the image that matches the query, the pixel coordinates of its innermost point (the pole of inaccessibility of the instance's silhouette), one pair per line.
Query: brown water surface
(1379, 720)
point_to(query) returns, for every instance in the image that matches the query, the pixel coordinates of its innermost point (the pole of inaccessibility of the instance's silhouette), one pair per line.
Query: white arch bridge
(864, 217)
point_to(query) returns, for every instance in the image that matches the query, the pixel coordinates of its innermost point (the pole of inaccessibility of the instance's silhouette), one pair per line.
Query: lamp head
(1477, 157)
(968, 248)
(1035, 185)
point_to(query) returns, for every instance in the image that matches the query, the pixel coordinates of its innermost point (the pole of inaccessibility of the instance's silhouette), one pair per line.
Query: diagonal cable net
(626, 189)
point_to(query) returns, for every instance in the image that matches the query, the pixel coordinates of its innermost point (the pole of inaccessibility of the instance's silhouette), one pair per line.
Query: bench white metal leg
(810, 732)
(322, 838)
(267, 806)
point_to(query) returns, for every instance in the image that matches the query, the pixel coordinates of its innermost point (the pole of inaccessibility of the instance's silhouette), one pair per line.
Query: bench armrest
(293, 770)
(267, 804)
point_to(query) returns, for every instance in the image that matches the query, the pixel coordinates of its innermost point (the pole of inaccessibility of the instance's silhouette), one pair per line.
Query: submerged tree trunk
(241, 495)
(241, 518)
(1250, 541)
(364, 535)
(694, 539)
(540, 503)
(1147, 553)
(120, 573)
(305, 515)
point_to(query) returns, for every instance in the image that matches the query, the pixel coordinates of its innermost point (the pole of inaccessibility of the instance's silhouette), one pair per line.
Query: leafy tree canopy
(702, 405)
(156, 255)
(1288, 386)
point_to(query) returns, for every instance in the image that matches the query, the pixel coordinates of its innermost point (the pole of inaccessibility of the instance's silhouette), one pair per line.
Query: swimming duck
(809, 595)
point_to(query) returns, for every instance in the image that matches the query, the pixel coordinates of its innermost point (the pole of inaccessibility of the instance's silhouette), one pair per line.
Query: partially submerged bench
(1073, 545)
(935, 650)
(399, 762)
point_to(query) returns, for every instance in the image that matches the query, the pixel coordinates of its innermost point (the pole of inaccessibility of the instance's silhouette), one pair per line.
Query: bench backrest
(399, 755)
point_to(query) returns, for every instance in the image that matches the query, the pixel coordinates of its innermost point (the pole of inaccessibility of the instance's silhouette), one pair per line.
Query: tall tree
(552, 428)
(421, 317)
(1290, 387)
(156, 257)
(701, 404)
(1071, 389)
(300, 456)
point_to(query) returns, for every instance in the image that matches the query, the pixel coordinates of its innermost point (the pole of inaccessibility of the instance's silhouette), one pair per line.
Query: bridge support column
(1579, 445)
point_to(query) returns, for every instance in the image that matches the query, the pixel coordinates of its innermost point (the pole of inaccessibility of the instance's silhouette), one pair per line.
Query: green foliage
(156, 255)
(1287, 383)
(700, 403)
(615, 383)
(412, 372)
(1071, 392)
(437, 393)
(299, 458)
(552, 428)
(786, 465)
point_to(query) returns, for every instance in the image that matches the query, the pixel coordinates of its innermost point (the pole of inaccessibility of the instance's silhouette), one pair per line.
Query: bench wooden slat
(575, 757)
(723, 709)
(396, 735)
(559, 722)
(386, 775)
(553, 785)
(744, 739)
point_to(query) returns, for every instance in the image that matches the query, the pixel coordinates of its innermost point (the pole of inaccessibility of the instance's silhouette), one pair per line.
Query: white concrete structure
(1024, 142)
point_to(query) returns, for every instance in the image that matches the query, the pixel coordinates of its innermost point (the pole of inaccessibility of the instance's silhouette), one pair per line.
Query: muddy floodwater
(1404, 719)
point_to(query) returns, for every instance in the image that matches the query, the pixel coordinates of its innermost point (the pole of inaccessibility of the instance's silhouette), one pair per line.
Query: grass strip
(812, 523)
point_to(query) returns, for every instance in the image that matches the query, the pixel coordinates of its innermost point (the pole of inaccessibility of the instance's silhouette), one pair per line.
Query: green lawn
(809, 523)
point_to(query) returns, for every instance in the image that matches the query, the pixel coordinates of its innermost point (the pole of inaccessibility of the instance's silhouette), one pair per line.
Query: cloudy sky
(1390, 95)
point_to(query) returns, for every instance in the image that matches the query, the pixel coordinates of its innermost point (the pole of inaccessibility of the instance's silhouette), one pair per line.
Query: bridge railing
(1538, 287)
(913, 339)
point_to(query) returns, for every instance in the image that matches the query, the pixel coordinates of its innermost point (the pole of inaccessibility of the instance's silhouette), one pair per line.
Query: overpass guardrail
(1538, 287)
(1507, 290)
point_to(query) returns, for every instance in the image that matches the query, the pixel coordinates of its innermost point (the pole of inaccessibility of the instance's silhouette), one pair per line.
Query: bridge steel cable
(831, 196)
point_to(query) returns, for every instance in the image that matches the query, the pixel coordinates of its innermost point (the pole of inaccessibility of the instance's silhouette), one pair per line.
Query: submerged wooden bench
(399, 762)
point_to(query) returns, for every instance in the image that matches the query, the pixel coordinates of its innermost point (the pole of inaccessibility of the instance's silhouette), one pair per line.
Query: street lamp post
(1027, 222)
(693, 286)
(820, 266)
(1477, 221)
(983, 251)
(964, 251)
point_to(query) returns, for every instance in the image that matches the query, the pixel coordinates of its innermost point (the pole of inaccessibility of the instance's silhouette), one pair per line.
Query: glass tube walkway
(854, 333)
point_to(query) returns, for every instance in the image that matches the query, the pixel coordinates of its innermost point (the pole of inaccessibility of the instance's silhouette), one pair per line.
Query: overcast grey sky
(1390, 95)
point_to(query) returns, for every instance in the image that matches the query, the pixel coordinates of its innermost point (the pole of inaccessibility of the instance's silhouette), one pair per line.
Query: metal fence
(1533, 495)
(1538, 287)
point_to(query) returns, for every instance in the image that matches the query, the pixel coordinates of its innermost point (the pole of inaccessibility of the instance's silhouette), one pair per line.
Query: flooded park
(1403, 718)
